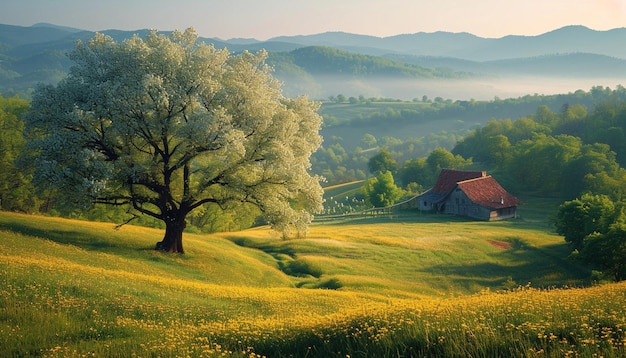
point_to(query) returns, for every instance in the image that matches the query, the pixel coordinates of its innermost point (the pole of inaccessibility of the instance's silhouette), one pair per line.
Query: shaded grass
(131, 248)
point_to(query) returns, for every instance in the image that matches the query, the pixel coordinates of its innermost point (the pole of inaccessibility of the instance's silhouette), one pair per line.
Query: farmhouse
(469, 193)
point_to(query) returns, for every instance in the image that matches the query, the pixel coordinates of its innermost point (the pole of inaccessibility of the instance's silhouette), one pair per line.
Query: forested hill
(321, 60)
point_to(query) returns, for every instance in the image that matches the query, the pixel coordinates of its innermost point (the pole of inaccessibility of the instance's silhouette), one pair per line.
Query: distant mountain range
(451, 65)
(569, 39)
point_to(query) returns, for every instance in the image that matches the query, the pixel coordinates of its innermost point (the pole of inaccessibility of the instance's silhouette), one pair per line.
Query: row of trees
(361, 99)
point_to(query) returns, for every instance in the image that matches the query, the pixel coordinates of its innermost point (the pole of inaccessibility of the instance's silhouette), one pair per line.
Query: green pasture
(360, 110)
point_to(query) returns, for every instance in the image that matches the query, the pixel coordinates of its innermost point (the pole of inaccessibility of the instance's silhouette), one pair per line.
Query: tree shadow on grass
(273, 248)
(74, 237)
(548, 266)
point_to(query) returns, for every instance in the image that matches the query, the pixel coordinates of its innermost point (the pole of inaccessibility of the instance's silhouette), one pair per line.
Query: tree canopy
(575, 219)
(14, 184)
(167, 124)
(381, 191)
(596, 228)
(381, 163)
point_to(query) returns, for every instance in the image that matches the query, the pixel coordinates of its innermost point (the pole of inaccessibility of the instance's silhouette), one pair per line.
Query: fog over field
(478, 88)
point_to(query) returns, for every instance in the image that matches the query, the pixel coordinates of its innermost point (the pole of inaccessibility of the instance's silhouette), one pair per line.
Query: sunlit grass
(428, 254)
(428, 287)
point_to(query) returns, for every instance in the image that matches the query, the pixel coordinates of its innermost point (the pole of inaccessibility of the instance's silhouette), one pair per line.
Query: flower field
(62, 296)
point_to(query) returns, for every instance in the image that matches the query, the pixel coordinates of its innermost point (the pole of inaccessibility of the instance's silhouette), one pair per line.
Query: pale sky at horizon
(261, 20)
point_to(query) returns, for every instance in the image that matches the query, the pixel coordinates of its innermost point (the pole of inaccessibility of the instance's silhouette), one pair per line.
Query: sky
(264, 19)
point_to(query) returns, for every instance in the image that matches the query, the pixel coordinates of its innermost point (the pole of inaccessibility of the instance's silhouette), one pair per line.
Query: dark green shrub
(300, 268)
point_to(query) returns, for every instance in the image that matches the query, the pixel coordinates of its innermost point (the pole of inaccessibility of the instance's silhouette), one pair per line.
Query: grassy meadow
(415, 285)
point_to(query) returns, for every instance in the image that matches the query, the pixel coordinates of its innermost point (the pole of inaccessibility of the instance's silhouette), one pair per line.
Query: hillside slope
(72, 288)
(417, 255)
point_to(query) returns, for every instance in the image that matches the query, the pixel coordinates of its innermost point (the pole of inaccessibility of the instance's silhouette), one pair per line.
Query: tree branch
(202, 202)
(113, 201)
(137, 206)
(119, 226)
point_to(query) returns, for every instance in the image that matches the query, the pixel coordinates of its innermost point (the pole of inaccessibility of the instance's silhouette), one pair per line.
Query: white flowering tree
(168, 124)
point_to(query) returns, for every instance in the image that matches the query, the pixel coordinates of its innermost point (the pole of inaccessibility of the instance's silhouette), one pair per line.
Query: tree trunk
(173, 239)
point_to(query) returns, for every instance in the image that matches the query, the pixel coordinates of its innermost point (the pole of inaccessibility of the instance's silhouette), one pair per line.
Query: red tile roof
(449, 177)
(486, 191)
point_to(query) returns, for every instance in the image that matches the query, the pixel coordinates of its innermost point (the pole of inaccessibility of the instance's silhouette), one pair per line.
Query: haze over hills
(450, 65)
(569, 39)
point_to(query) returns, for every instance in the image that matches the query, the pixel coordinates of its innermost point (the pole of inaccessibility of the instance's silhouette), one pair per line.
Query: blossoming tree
(168, 124)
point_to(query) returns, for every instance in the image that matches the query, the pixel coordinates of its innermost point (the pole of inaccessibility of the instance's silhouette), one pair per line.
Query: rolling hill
(423, 285)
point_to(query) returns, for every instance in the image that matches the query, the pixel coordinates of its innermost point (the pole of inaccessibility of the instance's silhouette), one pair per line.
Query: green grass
(427, 254)
(343, 190)
(359, 110)
(420, 285)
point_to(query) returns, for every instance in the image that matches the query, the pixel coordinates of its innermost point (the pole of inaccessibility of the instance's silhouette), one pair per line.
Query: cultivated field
(411, 285)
